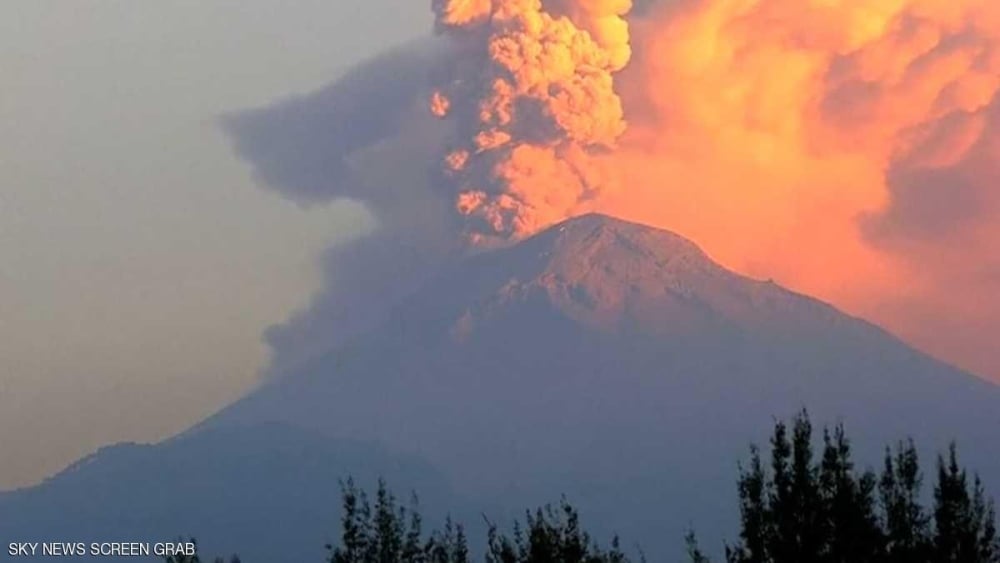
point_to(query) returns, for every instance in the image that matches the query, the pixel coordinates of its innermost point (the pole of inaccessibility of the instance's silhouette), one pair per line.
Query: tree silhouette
(798, 509)
(388, 533)
(550, 534)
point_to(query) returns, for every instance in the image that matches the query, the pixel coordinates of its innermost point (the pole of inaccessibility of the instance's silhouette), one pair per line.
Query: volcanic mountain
(611, 362)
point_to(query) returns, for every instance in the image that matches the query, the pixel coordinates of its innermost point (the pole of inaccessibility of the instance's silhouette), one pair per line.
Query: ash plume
(332, 145)
(533, 98)
(847, 150)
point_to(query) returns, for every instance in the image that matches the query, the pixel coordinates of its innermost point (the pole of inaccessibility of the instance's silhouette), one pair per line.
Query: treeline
(798, 507)
(806, 508)
(386, 532)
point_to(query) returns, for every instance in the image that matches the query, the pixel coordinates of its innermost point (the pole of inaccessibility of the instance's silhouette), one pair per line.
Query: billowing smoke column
(534, 100)
(848, 149)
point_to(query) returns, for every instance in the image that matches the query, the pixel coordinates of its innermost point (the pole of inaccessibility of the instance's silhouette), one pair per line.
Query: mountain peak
(596, 229)
(600, 249)
(607, 274)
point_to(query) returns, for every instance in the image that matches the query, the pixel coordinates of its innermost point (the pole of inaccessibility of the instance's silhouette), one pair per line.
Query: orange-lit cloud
(534, 99)
(847, 149)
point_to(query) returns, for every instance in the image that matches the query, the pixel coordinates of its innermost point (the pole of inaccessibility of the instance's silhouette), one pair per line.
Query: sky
(139, 261)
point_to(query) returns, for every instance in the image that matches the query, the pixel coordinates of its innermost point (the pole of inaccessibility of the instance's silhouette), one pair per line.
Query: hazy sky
(139, 263)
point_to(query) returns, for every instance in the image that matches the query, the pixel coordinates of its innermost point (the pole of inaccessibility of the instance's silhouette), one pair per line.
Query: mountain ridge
(608, 361)
(600, 262)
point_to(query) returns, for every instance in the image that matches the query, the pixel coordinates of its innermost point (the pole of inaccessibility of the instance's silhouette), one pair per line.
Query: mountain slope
(268, 490)
(619, 365)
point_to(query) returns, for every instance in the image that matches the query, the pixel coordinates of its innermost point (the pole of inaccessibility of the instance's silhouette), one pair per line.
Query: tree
(964, 519)
(389, 533)
(755, 529)
(449, 546)
(905, 523)
(847, 505)
(794, 501)
(798, 509)
(550, 535)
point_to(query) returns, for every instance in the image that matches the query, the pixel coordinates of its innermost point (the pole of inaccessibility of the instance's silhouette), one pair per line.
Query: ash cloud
(534, 102)
(367, 137)
(311, 148)
(942, 219)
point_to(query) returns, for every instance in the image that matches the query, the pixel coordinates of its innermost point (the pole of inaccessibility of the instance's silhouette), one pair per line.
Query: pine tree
(809, 537)
(796, 530)
(355, 545)
(851, 527)
(550, 535)
(413, 549)
(964, 522)
(800, 510)
(984, 511)
(388, 544)
(449, 546)
(905, 522)
(755, 529)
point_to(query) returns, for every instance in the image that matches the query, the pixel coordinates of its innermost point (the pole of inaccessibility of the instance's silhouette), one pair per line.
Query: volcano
(606, 361)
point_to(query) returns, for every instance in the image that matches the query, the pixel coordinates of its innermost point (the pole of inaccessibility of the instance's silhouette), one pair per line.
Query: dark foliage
(388, 533)
(550, 534)
(795, 508)
(824, 510)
